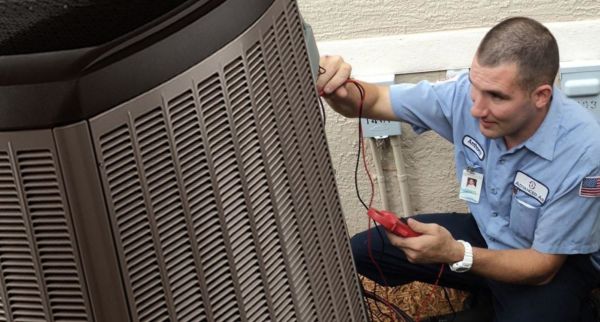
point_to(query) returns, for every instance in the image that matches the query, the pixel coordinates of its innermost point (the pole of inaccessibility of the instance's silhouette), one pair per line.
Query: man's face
(503, 108)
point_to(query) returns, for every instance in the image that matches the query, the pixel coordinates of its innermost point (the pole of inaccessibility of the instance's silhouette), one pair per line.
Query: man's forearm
(375, 105)
(519, 266)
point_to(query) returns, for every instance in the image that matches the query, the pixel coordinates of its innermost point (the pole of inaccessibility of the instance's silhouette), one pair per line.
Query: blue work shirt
(531, 195)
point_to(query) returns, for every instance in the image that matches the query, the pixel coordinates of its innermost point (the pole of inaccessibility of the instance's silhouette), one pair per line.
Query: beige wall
(346, 19)
(429, 164)
(429, 159)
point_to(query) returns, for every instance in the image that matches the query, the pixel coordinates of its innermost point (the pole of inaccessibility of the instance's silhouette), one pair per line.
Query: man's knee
(540, 310)
(537, 303)
(359, 246)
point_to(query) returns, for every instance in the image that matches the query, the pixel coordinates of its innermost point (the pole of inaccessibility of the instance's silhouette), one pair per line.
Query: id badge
(470, 186)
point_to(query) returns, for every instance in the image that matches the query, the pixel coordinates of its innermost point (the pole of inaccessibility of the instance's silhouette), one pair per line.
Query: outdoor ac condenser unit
(166, 165)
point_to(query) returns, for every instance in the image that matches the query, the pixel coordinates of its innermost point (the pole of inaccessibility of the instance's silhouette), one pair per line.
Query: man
(533, 236)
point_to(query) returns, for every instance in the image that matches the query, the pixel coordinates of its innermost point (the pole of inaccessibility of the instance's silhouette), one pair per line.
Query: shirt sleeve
(570, 224)
(431, 106)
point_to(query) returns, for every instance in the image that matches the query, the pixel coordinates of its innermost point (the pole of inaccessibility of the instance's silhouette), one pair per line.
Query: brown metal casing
(208, 198)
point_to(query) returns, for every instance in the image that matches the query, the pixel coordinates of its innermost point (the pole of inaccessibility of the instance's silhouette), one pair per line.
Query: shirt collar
(543, 141)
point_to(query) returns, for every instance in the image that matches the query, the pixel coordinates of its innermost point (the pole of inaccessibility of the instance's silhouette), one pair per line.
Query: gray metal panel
(94, 232)
(40, 268)
(208, 198)
(144, 273)
(327, 213)
(220, 189)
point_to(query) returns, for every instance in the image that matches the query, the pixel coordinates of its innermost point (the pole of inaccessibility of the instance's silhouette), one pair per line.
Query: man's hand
(335, 72)
(332, 85)
(518, 266)
(435, 245)
(344, 97)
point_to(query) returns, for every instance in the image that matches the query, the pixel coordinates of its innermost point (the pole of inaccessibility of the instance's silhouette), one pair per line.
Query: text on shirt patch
(531, 187)
(474, 146)
(590, 187)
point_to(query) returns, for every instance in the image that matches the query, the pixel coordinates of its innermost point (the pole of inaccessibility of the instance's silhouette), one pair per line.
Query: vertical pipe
(402, 176)
(379, 173)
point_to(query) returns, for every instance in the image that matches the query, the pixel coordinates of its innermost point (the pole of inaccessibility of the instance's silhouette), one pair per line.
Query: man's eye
(496, 97)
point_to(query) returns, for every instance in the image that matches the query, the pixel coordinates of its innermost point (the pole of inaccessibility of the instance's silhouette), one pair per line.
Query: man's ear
(542, 96)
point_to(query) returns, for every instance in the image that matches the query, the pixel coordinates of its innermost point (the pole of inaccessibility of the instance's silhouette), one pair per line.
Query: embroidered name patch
(474, 146)
(531, 187)
(590, 187)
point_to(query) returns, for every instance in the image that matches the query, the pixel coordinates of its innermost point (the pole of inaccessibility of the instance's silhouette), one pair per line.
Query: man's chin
(489, 133)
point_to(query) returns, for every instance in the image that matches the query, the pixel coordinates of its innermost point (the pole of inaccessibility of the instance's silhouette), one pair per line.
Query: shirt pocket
(524, 213)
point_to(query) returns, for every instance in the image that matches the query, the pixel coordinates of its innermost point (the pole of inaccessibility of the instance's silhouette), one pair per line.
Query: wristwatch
(467, 261)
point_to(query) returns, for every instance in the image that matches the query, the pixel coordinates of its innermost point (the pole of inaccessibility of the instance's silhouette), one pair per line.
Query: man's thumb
(417, 226)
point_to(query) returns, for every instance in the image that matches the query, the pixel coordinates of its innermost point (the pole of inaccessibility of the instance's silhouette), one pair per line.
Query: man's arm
(344, 97)
(519, 266)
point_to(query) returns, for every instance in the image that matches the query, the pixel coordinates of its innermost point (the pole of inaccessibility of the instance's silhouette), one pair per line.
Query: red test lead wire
(397, 226)
(361, 148)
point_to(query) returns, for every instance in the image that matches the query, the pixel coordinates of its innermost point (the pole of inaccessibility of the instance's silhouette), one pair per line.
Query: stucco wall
(346, 19)
(429, 159)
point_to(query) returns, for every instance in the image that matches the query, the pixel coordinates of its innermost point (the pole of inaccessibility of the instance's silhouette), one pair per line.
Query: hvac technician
(533, 235)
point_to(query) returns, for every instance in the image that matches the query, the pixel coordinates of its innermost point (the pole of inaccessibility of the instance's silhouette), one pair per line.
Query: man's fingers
(341, 91)
(391, 237)
(327, 71)
(342, 73)
(324, 73)
(396, 240)
(334, 74)
(404, 245)
(422, 228)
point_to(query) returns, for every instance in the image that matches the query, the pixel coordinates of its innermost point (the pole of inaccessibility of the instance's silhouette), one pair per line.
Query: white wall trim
(577, 40)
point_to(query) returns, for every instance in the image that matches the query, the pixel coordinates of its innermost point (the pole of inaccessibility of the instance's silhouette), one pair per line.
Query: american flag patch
(590, 187)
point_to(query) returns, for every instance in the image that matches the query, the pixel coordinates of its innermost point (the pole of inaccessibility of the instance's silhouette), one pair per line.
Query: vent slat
(53, 236)
(159, 169)
(190, 150)
(141, 261)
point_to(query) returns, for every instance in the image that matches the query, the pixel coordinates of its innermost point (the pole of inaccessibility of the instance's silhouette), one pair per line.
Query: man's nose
(478, 109)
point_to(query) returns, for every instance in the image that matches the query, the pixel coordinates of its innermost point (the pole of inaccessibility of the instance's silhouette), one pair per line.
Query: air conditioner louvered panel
(53, 235)
(338, 231)
(259, 191)
(3, 312)
(317, 145)
(165, 202)
(281, 173)
(299, 176)
(250, 160)
(303, 206)
(289, 227)
(197, 185)
(133, 226)
(324, 185)
(288, 217)
(25, 300)
(218, 273)
(304, 79)
(308, 146)
(232, 198)
(227, 193)
(220, 205)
